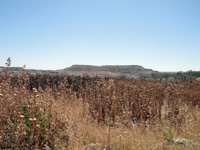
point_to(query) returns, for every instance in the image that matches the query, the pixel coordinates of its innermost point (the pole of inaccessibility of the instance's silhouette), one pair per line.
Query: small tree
(22, 70)
(8, 64)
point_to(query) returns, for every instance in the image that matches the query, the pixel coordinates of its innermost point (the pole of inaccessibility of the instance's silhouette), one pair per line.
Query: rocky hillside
(129, 71)
(113, 71)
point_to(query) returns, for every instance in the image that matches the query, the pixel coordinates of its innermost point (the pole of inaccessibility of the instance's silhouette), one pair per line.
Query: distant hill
(125, 71)
(128, 71)
(16, 70)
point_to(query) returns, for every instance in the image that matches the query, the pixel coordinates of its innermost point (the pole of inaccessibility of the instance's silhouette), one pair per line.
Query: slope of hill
(109, 70)
(127, 71)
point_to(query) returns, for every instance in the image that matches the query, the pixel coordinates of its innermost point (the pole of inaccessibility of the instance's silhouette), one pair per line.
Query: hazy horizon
(101, 66)
(49, 35)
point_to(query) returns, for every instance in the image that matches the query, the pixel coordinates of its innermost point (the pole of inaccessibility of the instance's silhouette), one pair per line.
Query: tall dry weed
(66, 112)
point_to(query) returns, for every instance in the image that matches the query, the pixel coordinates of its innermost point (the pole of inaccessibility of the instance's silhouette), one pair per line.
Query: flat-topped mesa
(129, 71)
(121, 70)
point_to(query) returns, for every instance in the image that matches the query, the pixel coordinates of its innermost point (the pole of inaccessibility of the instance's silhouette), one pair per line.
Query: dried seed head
(41, 110)
(21, 116)
(34, 90)
(120, 137)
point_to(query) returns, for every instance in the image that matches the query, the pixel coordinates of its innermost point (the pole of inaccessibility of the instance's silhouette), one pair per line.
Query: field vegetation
(77, 113)
(182, 76)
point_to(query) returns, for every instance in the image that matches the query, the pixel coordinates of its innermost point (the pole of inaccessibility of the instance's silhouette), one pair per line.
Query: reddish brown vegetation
(31, 107)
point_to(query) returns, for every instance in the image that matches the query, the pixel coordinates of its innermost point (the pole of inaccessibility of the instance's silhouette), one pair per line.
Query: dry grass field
(83, 113)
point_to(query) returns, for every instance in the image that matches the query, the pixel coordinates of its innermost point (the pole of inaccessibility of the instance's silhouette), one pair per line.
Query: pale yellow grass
(83, 130)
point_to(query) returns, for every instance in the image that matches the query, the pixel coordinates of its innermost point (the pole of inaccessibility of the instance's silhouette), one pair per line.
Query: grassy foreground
(57, 112)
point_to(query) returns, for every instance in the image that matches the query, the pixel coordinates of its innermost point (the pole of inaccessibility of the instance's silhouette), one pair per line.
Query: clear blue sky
(54, 34)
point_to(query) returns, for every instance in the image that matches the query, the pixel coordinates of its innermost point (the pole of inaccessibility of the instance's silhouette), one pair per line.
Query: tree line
(183, 76)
